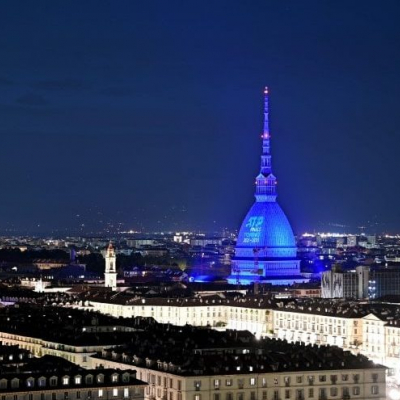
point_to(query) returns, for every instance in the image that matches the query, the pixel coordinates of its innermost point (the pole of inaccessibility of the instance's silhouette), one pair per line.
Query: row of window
(217, 383)
(296, 325)
(296, 394)
(101, 393)
(167, 382)
(34, 341)
(313, 318)
(65, 380)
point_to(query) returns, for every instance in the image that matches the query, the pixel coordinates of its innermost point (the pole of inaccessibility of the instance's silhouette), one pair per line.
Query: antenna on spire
(266, 181)
(266, 114)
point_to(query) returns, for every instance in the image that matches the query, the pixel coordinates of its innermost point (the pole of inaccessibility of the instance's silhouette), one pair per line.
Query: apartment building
(71, 385)
(59, 332)
(249, 313)
(318, 328)
(291, 372)
(360, 327)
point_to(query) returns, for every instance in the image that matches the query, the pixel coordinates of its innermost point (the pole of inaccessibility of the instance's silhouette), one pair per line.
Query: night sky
(149, 113)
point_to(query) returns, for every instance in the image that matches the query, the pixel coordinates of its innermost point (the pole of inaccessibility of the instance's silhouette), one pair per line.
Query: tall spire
(266, 181)
(266, 156)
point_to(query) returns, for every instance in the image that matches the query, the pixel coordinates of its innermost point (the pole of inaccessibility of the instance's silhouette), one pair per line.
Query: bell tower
(110, 275)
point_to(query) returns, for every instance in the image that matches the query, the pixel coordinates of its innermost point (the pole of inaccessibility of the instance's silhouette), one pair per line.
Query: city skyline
(149, 115)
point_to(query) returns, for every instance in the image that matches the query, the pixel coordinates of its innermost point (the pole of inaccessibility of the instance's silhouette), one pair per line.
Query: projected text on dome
(254, 229)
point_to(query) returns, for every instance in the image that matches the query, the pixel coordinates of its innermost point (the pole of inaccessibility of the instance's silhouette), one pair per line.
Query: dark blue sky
(149, 112)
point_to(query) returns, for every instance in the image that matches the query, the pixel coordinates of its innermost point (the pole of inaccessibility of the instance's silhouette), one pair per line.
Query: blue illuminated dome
(266, 247)
(274, 230)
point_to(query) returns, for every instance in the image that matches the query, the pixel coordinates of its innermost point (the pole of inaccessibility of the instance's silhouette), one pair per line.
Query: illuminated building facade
(266, 248)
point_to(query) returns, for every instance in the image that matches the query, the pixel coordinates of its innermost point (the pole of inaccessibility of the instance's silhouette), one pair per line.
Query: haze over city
(149, 114)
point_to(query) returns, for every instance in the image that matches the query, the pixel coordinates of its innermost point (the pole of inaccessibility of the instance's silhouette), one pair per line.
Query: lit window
(115, 392)
(126, 392)
(264, 382)
(100, 392)
(65, 381)
(77, 380)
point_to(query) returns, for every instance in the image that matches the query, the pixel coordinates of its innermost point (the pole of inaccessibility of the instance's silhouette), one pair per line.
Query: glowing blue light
(266, 225)
(202, 278)
(266, 247)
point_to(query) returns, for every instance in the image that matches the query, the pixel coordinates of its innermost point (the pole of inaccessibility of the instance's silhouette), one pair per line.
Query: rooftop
(268, 355)
(52, 373)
